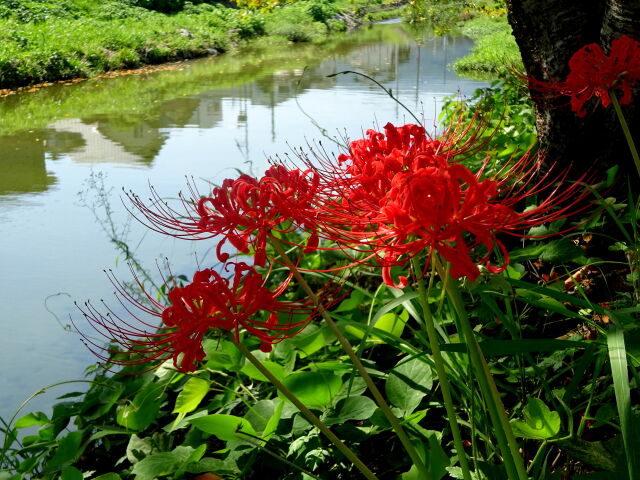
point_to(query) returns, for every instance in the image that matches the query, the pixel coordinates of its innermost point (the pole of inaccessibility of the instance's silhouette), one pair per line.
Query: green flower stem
(442, 375)
(625, 129)
(506, 440)
(347, 452)
(346, 346)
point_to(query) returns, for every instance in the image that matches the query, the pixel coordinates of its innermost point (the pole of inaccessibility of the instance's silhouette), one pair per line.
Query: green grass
(495, 51)
(43, 40)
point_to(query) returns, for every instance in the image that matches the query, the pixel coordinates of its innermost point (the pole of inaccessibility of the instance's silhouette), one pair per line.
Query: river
(66, 151)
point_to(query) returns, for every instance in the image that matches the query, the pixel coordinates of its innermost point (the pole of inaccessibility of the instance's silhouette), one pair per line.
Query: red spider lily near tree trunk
(548, 33)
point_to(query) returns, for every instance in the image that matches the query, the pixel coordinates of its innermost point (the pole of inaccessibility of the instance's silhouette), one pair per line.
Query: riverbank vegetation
(495, 51)
(45, 41)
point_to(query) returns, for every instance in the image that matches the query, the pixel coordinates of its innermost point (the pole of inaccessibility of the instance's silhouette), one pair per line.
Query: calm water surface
(65, 147)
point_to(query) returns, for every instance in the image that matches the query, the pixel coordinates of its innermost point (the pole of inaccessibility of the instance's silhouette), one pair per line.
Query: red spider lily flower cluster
(210, 302)
(401, 193)
(394, 195)
(244, 211)
(593, 73)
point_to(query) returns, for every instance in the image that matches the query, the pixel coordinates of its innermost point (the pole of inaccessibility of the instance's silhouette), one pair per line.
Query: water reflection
(126, 120)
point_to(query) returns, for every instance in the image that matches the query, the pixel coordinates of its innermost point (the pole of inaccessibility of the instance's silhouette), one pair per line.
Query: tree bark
(548, 33)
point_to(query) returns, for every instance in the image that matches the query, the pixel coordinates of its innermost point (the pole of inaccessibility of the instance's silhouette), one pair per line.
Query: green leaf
(408, 382)
(107, 476)
(311, 340)
(222, 355)
(71, 473)
(138, 448)
(251, 371)
(265, 416)
(192, 393)
(209, 464)
(560, 251)
(142, 411)
(315, 389)
(272, 424)
(68, 450)
(540, 422)
(392, 323)
(351, 408)
(260, 413)
(104, 431)
(225, 427)
(351, 303)
(30, 419)
(620, 373)
(527, 253)
(155, 465)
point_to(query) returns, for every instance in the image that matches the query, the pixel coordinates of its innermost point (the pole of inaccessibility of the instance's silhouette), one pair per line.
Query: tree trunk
(548, 33)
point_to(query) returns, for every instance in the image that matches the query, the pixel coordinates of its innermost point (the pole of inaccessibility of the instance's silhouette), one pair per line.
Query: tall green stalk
(305, 411)
(625, 130)
(440, 370)
(506, 440)
(346, 346)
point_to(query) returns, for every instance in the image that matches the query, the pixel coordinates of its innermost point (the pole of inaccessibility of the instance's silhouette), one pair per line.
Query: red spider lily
(592, 73)
(399, 193)
(210, 302)
(244, 211)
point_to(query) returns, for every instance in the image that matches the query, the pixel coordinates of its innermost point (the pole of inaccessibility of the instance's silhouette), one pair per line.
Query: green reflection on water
(125, 119)
(144, 95)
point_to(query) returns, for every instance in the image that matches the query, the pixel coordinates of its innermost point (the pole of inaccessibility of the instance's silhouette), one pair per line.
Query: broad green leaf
(183, 453)
(315, 389)
(108, 476)
(30, 419)
(351, 408)
(272, 424)
(155, 465)
(222, 355)
(71, 473)
(540, 423)
(310, 341)
(260, 413)
(251, 371)
(196, 454)
(209, 464)
(351, 303)
(192, 393)
(68, 450)
(142, 411)
(526, 253)
(225, 427)
(351, 387)
(436, 459)
(408, 382)
(138, 448)
(560, 251)
(392, 323)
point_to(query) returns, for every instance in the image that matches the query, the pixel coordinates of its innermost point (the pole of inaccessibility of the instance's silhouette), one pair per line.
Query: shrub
(321, 11)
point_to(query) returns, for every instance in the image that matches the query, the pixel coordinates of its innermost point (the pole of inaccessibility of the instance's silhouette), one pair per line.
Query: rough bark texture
(548, 33)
